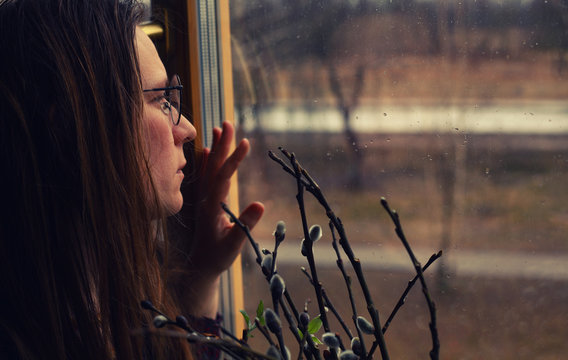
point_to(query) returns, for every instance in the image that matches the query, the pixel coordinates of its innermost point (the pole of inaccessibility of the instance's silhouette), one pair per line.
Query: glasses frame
(174, 78)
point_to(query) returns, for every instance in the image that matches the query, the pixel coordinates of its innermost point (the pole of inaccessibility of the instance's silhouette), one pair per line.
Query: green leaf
(314, 325)
(260, 313)
(260, 309)
(316, 340)
(247, 318)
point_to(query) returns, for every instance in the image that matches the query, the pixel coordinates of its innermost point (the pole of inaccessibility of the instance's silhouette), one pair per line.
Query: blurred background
(457, 113)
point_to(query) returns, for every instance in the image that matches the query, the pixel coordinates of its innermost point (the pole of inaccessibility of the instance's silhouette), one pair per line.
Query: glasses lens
(175, 98)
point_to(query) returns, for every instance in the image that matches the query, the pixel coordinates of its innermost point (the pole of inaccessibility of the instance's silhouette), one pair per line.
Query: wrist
(202, 299)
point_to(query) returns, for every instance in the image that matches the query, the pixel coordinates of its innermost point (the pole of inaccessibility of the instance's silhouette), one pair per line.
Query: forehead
(152, 70)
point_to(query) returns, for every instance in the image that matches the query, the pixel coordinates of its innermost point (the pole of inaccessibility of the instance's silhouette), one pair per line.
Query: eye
(165, 105)
(164, 102)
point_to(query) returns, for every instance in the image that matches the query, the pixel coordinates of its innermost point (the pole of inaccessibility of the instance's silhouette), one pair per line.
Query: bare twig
(264, 332)
(258, 253)
(402, 299)
(316, 192)
(236, 350)
(246, 230)
(434, 353)
(308, 242)
(411, 283)
(349, 290)
(293, 327)
(330, 305)
(304, 183)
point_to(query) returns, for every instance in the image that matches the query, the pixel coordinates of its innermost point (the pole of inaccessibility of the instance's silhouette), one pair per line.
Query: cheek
(159, 139)
(160, 154)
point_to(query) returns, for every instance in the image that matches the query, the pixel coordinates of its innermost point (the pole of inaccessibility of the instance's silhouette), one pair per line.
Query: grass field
(505, 192)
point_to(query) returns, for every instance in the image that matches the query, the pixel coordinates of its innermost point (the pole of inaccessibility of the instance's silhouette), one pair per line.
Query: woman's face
(165, 140)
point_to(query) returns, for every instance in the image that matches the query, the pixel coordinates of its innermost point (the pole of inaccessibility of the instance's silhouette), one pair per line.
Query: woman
(92, 156)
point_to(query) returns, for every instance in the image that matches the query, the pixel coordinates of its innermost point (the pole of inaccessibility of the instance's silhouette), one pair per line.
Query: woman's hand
(217, 240)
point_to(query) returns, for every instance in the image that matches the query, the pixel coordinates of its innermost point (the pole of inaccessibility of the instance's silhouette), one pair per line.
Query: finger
(232, 163)
(204, 159)
(222, 146)
(216, 137)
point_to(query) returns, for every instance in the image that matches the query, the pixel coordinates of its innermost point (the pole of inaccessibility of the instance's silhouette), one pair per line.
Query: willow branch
(435, 352)
(308, 242)
(246, 230)
(236, 350)
(347, 279)
(329, 304)
(411, 283)
(316, 192)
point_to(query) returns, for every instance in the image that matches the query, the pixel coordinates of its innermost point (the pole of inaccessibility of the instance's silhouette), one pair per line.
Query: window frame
(193, 38)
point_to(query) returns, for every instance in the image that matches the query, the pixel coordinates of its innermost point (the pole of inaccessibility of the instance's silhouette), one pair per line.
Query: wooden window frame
(193, 38)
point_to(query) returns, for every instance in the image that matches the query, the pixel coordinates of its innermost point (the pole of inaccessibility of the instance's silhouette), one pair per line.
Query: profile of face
(165, 140)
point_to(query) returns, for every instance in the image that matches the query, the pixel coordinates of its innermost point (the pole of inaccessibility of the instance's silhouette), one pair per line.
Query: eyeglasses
(171, 98)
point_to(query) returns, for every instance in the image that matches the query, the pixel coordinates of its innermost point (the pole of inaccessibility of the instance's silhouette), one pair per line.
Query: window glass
(457, 113)
(148, 5)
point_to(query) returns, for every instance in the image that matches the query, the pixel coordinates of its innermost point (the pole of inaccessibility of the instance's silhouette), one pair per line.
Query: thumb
(249, 217)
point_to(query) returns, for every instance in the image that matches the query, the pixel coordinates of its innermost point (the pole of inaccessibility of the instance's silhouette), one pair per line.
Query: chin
(174, 206)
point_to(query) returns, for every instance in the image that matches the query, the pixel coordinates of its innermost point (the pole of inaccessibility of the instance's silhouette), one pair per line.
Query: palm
(218, 242)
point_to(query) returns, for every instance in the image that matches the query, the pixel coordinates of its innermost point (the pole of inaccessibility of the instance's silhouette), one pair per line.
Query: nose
(184, 131)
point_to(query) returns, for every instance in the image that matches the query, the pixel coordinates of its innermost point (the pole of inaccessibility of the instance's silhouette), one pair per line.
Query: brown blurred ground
(478, 318)
(512, 197)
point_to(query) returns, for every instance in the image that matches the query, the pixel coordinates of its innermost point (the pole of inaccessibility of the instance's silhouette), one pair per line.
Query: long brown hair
(77, 252)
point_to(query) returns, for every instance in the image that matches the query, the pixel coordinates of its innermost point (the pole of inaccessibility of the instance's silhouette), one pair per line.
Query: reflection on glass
(148, 6)
(454, 111)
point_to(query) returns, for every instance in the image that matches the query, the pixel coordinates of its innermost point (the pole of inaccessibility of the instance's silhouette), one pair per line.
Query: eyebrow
(159, 85)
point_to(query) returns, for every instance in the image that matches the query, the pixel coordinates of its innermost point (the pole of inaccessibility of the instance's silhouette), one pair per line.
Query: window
(456, 113)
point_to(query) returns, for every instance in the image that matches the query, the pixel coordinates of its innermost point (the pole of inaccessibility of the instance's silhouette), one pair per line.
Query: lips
(180, 169)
